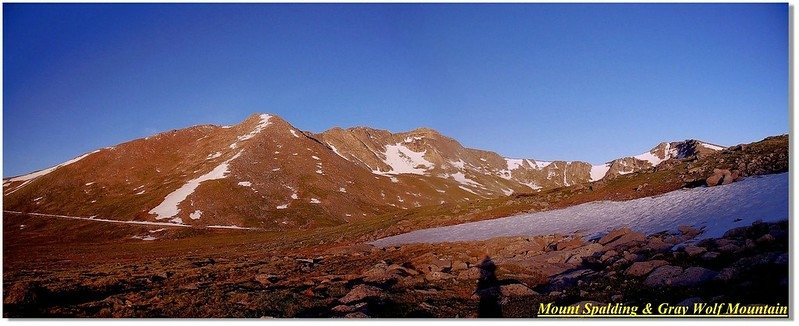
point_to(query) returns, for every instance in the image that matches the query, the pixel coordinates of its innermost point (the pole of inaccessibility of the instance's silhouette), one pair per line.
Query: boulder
(356, 315)
(657, 245)
(662, 275)
(437, 276)
(572, 243)
(568, 279)
(608, 255)
(587, 250)
(627, 239)
(765, 239)
(729, 248)
(20, 293)
(727, 274)
(361, 292)
(693, 276)
(516, 290)
(710, 255)
(343, 309)
(693, 251)
(688, 231)
(644, 267)
(458, 265)
(267, 279)
(613, 235)
(719, 176)
(472, 273)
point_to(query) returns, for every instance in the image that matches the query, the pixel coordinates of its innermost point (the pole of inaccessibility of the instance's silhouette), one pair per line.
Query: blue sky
(566, 81)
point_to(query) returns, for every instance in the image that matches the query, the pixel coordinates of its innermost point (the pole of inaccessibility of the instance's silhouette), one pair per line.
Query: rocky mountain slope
(264, 173)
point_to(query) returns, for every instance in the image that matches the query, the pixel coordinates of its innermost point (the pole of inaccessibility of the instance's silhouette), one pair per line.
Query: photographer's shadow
(488, 289)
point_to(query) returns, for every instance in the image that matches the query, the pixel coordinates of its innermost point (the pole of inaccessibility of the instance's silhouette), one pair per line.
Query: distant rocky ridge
(264, 173)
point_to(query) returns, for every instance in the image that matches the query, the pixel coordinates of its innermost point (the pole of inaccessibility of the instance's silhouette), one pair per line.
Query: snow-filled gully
(713, 209)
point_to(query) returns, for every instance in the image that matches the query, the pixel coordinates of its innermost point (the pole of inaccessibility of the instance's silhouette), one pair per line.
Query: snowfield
(714, 209)
(402, 159)
(169, 207)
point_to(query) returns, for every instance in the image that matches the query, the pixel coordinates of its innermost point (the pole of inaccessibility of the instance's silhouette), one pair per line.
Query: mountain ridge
(264, 172)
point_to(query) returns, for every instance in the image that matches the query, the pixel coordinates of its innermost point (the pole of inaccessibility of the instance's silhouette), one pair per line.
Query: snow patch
(652, 158)
(169, 207)
(27, 178)
(315, 201)
(532, 185)
(467, 189)
(145, 238)
(196, 215)
(245, 184)
(284, 206)
(294, 133)
(514, 163)
(711, 146)
(230, 227)
(402, 159)
(258, 128)
(342, 189)
(335, 150)
(462, 179)
(599, 171)
(715, 210)
(541, 164)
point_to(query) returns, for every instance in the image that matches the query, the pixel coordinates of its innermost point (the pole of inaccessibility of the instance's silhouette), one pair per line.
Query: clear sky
(566, 81)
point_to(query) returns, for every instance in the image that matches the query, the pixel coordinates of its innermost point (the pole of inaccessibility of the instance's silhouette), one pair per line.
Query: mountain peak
(425, 131)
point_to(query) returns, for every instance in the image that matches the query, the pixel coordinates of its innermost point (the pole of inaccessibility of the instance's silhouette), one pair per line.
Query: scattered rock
(437, 276)
(361, 292)
(458, 265)
(20, 293)
(720, 176)
(657, 245)
(693, 251)
(727, 274)
(627, 240)
(644, 267)
(613, 235)
(693, 276)
(608, 255)
(765, 239)
(662, 275)
(568, 279)
(516, 290)
(688, 231)
(710, 255)
(572, 243)
(267, 279)
(472, 273)
(343, 309)
(356, 315)
(587, 250)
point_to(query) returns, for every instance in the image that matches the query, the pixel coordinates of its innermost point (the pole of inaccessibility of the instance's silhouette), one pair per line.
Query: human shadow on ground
(488, 289)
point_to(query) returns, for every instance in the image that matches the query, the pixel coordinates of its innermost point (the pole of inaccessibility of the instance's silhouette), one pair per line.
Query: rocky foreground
(505, 277)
